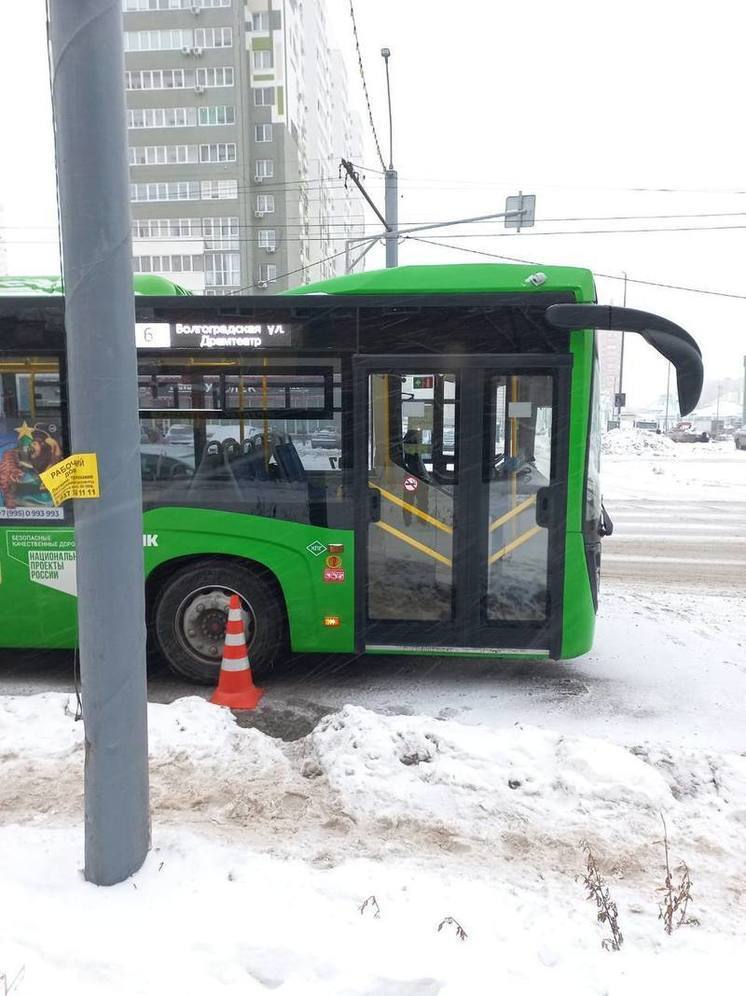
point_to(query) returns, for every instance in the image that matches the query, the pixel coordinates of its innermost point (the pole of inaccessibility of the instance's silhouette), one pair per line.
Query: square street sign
(526, 204)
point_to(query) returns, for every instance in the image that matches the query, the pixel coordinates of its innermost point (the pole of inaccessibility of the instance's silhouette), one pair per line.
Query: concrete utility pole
(91, 147)
(391, 178)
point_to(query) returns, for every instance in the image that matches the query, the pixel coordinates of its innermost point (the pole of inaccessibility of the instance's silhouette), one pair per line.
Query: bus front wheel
(192, 609)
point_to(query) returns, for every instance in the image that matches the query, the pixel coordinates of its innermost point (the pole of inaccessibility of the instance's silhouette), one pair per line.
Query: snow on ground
(264, 852)
(638, 464)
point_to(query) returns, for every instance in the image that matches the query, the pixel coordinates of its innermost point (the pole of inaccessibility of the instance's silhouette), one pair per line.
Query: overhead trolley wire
(597, 273)
(342, 224)
(365, 85)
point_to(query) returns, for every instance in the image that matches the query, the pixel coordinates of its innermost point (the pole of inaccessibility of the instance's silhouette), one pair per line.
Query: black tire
(213, 581)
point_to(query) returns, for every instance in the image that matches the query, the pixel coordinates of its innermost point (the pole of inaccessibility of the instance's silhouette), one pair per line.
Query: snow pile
(487, 784)
(656, 467)
(366, 783)
(200, 760)
(636, 442)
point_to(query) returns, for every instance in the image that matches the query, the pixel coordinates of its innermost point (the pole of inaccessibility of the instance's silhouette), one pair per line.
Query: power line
(606, 276)
(289, 273)
(365, 85)
(598, 231)
(342, 224)
(500, 184)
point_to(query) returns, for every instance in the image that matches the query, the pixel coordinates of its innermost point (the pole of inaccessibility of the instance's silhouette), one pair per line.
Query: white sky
(557, 99)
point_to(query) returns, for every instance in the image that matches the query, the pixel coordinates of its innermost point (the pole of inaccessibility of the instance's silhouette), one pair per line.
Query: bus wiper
(669, 339)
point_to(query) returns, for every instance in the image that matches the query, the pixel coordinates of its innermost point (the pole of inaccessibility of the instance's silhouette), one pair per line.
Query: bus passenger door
(460, 495)
(409, 491)
(517, 476)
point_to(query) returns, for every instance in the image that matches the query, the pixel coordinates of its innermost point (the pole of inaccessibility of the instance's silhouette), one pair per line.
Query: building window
(162, 155)
(168, 264)
(218, 152)
(265, 204)
(178, 79)
(136, 6)
(219, 76)
(267, 273)
(262, 58)
(221, 234)
(186, 190)
(223, 269)
(213, 37)
(268, 239)
(222, 114)
(264, 96)
(173, 39)
(265, 168)
(263, 133)
(162, 117)
(219, 190)
(265, 20)
(165, 228)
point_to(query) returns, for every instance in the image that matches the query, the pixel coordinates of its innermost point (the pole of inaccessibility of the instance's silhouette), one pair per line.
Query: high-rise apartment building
(237, 119)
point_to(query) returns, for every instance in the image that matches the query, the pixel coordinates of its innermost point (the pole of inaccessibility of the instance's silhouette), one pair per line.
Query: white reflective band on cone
(234, 639)
(234, 615)
(242, 665)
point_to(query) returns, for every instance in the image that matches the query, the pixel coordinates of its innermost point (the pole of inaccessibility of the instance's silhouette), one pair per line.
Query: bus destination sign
(212, 335)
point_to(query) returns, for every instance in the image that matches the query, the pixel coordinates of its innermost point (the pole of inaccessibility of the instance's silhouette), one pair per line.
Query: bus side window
(255, 439)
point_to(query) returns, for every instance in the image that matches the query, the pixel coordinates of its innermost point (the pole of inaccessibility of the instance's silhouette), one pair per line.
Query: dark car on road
(685, 432)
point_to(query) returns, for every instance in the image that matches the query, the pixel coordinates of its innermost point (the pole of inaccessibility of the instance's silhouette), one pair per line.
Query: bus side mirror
(669, 339)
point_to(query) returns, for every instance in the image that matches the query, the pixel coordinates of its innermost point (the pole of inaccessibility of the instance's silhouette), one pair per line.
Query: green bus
(401, 462)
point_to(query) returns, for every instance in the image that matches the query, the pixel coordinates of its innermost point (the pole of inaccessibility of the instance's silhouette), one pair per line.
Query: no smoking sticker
(410, 483)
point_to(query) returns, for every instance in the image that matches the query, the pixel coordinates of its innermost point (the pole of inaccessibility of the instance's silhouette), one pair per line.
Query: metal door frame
(467, 629)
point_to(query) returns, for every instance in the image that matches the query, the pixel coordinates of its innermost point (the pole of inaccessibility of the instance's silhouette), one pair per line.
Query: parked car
(739, 438)
(326, 439)
(685, 432)
(180, 435)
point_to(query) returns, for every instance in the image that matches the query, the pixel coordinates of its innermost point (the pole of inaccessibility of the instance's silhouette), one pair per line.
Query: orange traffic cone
(235, 686)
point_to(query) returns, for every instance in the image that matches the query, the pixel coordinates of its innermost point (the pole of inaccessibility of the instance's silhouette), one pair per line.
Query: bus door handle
(544, 507)
(374, 505)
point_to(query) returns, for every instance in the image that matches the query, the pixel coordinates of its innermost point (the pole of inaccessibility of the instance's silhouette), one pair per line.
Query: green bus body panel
(46, 617)
(32, 614)
(579, 616)
(465, 278)
(143, 283)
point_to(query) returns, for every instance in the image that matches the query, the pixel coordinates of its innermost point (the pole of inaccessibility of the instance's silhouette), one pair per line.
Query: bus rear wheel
(191, 610)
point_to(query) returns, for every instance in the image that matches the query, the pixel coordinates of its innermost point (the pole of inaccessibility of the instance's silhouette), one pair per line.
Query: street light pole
(391, 180)
(621, 358)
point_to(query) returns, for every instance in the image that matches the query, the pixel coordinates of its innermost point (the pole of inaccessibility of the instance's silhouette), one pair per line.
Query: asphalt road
(677, 543)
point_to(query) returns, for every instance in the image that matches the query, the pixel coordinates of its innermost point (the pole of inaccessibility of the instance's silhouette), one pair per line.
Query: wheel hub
(201, 619)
